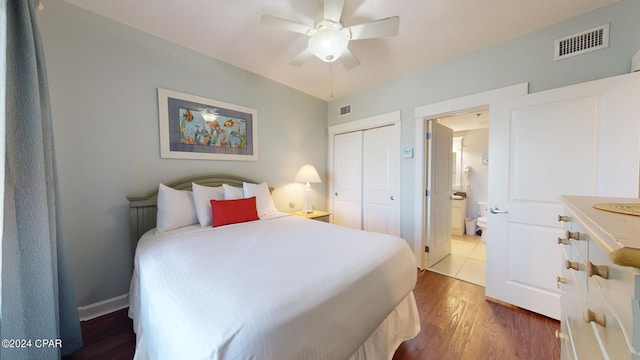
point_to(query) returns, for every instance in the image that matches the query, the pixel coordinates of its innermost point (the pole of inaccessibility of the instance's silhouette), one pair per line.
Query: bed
(276, 287)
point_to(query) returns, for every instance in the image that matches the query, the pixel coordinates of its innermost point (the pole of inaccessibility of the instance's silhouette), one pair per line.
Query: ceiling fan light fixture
(328, 44)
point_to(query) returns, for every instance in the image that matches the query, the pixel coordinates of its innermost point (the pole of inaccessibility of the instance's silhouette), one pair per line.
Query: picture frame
(194, 127)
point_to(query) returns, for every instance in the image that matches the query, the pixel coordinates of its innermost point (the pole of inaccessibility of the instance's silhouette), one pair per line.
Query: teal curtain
(38, 299)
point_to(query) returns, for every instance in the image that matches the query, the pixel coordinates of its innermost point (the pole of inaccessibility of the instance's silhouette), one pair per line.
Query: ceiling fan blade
(348, 60)
(284, 24)
(333, 9)
(375, 29)
(302, 57)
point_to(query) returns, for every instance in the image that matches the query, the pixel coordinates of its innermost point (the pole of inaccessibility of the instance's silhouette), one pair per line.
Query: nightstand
(316, 215)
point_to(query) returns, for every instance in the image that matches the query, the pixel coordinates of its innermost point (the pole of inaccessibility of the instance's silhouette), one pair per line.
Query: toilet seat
(482, 222)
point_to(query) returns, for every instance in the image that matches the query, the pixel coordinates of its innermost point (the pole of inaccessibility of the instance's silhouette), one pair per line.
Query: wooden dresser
(600, 281)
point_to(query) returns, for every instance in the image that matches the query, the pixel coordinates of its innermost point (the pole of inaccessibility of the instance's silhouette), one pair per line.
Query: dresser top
(619, 234)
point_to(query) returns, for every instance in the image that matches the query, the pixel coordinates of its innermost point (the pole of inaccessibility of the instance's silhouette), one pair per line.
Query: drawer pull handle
(560, 335)
(599, 270)
(563, 218)
(563, 241)
(572, 265)
(574, 235)
(596, 317)
(560, 280)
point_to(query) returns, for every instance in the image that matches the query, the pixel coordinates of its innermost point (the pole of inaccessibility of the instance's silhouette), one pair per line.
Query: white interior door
(347, 201)
(438, 208)
(542, 146)
(380, 180)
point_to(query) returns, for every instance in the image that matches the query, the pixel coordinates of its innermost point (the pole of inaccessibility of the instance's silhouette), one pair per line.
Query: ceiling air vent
(345, 110)
(584, 42)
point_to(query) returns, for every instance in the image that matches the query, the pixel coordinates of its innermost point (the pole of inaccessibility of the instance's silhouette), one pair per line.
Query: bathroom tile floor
(467, 260)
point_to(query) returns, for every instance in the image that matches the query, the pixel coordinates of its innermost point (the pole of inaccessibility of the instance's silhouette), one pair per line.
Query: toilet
(482, 219)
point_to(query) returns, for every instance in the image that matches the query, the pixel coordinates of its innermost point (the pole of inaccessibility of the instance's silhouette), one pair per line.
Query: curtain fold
(38, 298)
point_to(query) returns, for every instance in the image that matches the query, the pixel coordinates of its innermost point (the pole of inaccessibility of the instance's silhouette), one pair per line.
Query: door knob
(336, 194)
(392, 197)
(495, 210)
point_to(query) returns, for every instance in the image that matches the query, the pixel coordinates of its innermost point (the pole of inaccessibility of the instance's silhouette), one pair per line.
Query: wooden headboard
(143, 209)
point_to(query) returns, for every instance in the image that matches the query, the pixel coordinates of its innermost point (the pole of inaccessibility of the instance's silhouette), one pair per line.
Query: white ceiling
(431, 32)
(467, 121)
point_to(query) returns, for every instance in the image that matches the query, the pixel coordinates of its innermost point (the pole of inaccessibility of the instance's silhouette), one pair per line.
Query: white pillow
(232, 192)
(264, 202)
(202, 196)
(175, 209)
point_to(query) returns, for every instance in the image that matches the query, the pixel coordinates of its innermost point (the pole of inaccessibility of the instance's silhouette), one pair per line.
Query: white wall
(474, 145)
(528, 58)
(103, 80)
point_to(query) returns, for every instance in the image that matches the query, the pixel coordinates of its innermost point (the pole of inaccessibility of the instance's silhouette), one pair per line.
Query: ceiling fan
(329, 39)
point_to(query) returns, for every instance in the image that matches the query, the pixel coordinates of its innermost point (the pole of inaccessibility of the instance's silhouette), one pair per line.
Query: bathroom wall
(475, 145)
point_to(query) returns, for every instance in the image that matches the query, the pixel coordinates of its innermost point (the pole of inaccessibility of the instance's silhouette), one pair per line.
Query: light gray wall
(528, 58)
(474, 144)
(103, 80)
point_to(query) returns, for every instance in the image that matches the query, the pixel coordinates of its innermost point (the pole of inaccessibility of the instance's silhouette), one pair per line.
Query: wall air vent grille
(345, 110)
(584, 42)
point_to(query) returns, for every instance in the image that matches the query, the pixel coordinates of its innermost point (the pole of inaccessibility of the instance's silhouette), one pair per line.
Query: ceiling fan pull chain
(331, 75)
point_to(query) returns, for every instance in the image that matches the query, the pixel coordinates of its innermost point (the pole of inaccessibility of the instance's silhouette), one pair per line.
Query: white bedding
(281, 288)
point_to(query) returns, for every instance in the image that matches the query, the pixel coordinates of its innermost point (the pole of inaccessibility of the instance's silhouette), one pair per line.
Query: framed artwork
(193, 127)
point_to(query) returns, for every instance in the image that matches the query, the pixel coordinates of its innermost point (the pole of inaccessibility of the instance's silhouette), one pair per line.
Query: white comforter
(279, 288)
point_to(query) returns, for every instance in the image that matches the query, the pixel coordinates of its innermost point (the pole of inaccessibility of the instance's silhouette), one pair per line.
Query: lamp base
(307, 208)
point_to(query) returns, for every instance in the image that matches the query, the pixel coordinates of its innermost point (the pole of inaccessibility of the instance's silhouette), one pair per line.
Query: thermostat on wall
(407, 152)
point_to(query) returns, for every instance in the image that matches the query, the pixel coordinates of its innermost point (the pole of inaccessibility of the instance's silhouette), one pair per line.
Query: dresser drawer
(610, 335)
(617, 293)
(570, 284)
(576, 277)
(583, 341)
(579, 238)
(567, 350)
(581, 338)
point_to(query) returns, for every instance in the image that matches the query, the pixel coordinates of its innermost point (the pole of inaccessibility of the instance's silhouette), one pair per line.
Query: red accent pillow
(227, 212)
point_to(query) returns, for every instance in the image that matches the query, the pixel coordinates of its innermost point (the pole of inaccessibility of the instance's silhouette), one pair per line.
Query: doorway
(469, 173)
(468, 104)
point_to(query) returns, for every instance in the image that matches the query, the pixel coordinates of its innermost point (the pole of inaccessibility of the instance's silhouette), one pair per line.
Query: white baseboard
(103, 307)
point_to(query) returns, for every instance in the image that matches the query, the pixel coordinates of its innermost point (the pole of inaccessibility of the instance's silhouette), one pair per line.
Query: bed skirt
(402, 324)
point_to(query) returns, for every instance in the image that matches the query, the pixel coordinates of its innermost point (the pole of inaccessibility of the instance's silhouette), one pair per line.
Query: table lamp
(307, 174)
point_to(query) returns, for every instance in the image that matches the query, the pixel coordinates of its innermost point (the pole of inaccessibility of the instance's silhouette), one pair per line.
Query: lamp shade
(307, 174)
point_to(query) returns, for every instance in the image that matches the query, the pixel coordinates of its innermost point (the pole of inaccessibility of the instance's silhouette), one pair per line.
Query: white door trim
(441, 109)
(357, 125)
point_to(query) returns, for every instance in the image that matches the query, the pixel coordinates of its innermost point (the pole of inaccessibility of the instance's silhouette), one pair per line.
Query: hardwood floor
(107, 337)
(457, 323)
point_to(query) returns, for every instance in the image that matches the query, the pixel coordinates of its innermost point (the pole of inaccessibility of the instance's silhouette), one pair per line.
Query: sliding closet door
(347, 202)
(380, 183)
(367, 179)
